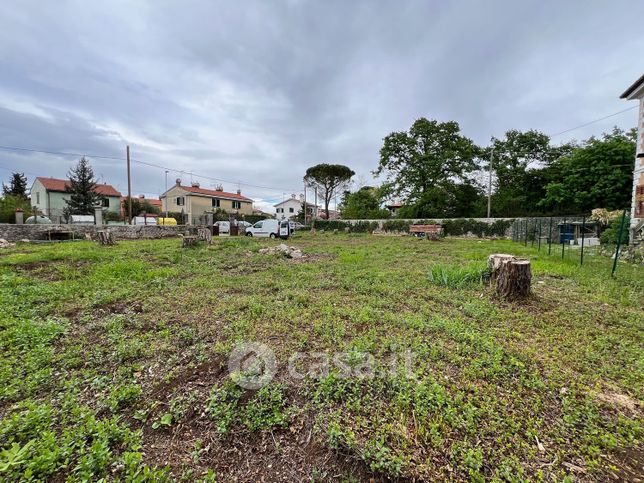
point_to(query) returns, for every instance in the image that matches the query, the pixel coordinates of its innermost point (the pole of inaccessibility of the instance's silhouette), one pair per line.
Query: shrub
(610, 235)
(359, 227)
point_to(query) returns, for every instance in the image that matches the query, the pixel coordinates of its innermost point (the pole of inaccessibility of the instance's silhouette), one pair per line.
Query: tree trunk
(189, 241)
(494, 263)
(105, 238)
(205, 235)
(514, 279)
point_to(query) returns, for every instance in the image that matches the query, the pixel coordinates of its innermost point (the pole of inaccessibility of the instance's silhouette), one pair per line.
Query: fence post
(583, 238)
(539, 234)
(550, 237)
(563, 239)
(619, 243)
(526, 233)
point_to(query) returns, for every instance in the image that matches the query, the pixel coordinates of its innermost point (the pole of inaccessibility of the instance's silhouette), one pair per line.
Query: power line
(594, 121)
(138, 161)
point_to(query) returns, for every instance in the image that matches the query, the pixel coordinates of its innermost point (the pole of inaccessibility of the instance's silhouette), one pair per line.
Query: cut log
(514, 279)
(494, 263)
(205, 234)
(189, 241)
(105, 238)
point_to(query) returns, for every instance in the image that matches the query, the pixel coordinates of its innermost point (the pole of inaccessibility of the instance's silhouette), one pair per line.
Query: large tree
(597, 174)
(363, 204)
(83, 197)
(431, 159)
(17, 186)
(328, 179)
(521, 163)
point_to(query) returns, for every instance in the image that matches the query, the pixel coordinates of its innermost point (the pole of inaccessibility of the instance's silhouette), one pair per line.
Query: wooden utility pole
(305, 207)
(129, 188)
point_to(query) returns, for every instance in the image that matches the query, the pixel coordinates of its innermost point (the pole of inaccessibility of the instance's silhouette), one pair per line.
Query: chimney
(178, 182)
(293, 196)
(219, 188)
(239, 192)
(195, 184)
(141, 197)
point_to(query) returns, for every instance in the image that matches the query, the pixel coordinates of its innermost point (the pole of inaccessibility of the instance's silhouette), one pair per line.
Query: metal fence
(573, 237)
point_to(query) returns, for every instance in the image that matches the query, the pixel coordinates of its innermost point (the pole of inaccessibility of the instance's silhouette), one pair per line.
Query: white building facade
(636, 93)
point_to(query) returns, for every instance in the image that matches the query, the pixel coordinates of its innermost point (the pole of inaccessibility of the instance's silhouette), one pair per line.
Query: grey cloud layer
(257, 91)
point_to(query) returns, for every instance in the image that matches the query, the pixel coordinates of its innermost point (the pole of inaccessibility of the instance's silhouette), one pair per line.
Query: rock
(5, 244)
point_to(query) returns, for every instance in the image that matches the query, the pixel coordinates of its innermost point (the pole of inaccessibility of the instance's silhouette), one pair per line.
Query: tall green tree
(83, 197)
(521, 162)
(427, 164)
(17, 186)
(328, 180)
(597, 174)
(363, 204)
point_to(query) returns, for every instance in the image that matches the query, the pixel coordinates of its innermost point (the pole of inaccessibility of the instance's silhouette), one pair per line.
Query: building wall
(637, 213)
(15, 233)
(293, 203)
(195, 206)
(53, 203)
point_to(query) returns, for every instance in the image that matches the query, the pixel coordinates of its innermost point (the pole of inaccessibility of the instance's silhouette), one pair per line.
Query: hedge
(456, 227)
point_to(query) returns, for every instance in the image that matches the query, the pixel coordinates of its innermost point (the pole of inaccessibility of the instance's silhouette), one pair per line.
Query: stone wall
(15, 233)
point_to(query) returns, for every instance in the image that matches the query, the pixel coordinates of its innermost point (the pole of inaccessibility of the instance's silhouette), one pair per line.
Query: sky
(250, 94)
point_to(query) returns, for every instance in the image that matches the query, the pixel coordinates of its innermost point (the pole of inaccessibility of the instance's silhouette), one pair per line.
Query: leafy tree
(450, 200)
(328, 179)
(8, 205)
(430, 161)
(140, 206)
(81, 188)
(364, 204)
(598, 173)
(522, 164)
(17, 186)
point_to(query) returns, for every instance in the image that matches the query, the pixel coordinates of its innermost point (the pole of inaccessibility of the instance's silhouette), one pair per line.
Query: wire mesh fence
(570, 237)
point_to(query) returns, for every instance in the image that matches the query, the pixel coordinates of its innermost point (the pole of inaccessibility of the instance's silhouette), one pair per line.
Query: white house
(290, 208)
(636, 93)
(49, 196)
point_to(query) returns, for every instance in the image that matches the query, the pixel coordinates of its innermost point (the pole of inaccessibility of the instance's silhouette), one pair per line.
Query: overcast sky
(257, 91)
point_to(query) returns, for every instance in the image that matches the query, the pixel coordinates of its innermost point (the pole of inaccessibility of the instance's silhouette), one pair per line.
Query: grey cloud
(258, 91)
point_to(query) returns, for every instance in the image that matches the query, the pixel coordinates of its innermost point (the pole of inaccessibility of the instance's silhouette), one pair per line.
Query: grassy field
(113, 363)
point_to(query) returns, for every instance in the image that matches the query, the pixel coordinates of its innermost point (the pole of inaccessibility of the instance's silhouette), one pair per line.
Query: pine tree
(81, 188)
(17, 186)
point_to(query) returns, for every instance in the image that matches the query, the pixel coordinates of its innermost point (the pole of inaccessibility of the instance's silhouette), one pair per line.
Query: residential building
(636, 93)
(292, 207)
(194, 201)
(49, 196)
(393, 208)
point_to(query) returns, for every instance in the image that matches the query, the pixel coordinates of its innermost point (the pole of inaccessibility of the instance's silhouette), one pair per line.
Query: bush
(463, 226)
(609, 235)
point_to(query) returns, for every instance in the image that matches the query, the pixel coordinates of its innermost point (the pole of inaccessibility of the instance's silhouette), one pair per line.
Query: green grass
(113, 362)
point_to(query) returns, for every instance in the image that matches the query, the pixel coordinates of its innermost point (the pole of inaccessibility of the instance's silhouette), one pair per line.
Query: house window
(105, 202)
(236, 205)
(37, 198)
(215, 203)
(180, 201)
(291, 210)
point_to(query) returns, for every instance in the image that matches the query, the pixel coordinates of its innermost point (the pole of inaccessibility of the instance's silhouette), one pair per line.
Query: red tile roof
(394, 205)
(60, 185)
(215, 193)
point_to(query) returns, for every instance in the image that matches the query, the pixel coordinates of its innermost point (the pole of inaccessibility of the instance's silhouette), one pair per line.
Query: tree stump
(205, 235)
(189, 241)
(514, 279)
(105, 238)
(494, 263)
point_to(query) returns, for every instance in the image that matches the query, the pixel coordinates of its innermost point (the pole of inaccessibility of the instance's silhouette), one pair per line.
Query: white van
(264, 228)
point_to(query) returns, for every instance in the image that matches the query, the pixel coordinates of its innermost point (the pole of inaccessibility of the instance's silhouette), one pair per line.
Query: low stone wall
(14, 233)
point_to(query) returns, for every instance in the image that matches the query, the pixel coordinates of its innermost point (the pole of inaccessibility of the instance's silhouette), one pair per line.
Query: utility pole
(305, 207)
(489, 186)
(129, 187)
(166, 196)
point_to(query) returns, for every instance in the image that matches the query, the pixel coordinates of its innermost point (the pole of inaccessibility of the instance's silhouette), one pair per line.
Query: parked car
(144, 220)
(40, 219)
(224, 227)
(264, 229)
